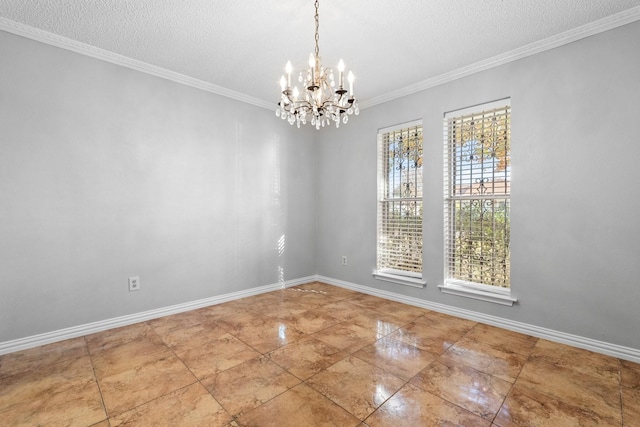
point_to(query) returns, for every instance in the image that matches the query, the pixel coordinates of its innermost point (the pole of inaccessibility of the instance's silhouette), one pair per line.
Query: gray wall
(107, 173)
(575, 156)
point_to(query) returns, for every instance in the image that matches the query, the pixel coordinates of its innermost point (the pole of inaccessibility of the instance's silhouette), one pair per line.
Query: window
(477, 202)
(399, 257)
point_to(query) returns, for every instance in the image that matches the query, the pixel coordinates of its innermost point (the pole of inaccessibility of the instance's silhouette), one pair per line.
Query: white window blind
(477, 195)
(400, 200)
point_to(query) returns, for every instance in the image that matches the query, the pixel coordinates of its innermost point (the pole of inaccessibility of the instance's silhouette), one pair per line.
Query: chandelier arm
(303, 104)
(298, 105)
(342, 108)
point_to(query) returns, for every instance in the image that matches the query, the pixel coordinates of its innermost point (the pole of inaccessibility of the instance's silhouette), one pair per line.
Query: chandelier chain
(317, 18)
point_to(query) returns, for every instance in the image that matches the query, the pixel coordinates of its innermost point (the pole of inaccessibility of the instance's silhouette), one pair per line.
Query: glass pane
(404, 163)
(400, 237)
(480, 154)
(478, 204)
(480, 236)
(400, 210)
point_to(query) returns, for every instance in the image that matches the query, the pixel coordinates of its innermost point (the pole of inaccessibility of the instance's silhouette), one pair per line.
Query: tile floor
(315, 355)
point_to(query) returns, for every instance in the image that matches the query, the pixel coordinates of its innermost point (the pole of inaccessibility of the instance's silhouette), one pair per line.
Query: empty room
(299, 213)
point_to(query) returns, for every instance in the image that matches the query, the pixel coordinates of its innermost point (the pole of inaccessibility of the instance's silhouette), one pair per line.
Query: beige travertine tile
(148, 372)
(407, 313)
(473, 390)
(383, 323)
(115, 337)
(129, 355)
(189, 406)
(501, 339)
(34, 383)
(237, 304)
(398, 358)
(573, 387)
(630, 374)
(306, 357)
(525, 407)
(261, 332)
(182, 339)
(216, 356)
(127, 389)
(269, 335)
(285, 309)
(274, 297)
(217, 311)
(343, 310)
(454, 325)
(631, 406)
(166, 324)
(368, 301)
(412, 407)
(347, 336)
(427, 338)
(79, 405)
(335, 292)
(312, 286)
(300, 406)
(234, 323)
(500, 364)
(311, 321)
(38, 357)
(313, 299)
(249, 385)
(357, 386)
(63, 393)
(581, 361)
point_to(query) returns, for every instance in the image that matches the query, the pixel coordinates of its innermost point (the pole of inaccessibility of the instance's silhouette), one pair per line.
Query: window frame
(457, 286)
(387, 273)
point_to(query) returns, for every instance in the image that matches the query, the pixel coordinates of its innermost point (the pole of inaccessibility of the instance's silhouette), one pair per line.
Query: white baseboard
(102, 325)
(621, 352)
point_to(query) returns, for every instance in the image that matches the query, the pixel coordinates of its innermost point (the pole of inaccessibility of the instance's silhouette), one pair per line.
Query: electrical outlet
(344, 260)
(134, 283)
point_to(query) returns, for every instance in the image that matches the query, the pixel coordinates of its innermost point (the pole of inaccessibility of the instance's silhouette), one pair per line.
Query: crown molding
(617, 20)
(610, 22)
(114, 58)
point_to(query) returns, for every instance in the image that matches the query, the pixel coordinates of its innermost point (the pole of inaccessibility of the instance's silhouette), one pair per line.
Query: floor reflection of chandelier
(320, 101)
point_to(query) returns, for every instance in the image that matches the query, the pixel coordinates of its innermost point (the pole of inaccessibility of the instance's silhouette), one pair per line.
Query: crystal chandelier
(321, 102)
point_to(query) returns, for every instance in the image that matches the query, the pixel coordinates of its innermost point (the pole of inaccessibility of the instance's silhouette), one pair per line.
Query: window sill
(401, 280)
(453, 288)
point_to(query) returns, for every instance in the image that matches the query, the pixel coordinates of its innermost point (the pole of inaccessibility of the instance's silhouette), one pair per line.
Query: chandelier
(320, 101)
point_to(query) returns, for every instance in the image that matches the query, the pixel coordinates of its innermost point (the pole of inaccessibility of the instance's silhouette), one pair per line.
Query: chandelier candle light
(321, 103)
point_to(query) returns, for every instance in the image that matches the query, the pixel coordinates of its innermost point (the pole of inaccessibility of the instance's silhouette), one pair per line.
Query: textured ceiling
(243, 45)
